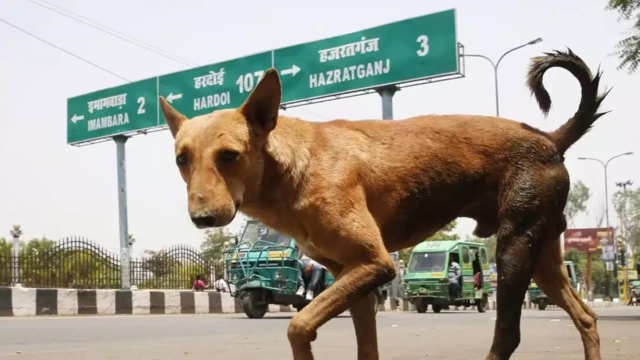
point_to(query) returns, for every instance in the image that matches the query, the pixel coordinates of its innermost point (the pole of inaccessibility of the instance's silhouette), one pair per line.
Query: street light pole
(606, 207)
(496, 64)
(624, 231)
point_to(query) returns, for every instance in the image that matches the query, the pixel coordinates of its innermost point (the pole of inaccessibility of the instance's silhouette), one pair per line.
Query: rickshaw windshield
(255, 231)
(428, 262)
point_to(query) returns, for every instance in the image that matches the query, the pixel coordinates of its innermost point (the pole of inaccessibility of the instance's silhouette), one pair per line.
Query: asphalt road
(454, 335)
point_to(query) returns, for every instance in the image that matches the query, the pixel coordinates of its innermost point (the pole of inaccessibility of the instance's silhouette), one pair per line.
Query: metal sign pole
(125, 256)
(386, 94)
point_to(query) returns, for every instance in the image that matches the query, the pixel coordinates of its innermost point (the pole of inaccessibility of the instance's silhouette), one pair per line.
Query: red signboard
(588, 240)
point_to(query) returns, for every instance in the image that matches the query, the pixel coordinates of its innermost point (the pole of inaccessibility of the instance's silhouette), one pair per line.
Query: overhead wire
(120, 37)
(64, 50)
(110, 31)
(92, 23)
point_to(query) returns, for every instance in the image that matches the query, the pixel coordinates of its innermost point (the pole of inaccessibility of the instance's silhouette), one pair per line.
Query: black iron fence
(81, 264)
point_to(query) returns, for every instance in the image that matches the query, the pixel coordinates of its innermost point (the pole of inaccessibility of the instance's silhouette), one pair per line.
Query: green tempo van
(427, 281)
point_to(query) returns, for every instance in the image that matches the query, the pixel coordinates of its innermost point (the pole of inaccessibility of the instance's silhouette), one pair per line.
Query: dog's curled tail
(581, 122)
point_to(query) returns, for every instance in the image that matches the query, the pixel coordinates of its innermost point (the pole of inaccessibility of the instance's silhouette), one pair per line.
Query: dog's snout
(206, 221)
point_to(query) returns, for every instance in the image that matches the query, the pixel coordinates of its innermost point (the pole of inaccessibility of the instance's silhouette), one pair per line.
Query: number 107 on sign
(246, 82)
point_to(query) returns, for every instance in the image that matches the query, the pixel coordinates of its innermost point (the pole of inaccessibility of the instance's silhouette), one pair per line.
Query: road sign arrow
(75, 118)
(293, 71)
(172, 97)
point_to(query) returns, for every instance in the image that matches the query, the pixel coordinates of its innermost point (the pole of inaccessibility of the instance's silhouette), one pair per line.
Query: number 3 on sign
(424, 45)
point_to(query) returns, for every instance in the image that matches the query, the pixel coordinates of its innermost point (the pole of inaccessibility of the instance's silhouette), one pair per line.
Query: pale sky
(57, 190)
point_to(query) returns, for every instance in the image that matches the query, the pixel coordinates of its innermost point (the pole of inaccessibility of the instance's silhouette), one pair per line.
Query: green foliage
(5, 262)
(159, 263)
(598, 273)
(576, 201)
(213, 243)
(179, 275)
(491, 244)
(630, 216)
(44, 264)
(213, 246)
(442, 235)
(628, 49)
(80, 264)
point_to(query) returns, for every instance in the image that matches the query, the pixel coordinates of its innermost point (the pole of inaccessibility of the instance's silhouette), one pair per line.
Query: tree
(598, 273)
(490, 243)
(628, 49)
(576, 201)
(213, 244)
(442, 235)
(630, 216)
(5, 262)
(159, 263)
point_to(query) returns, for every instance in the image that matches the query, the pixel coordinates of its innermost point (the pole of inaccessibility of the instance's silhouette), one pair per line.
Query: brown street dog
(350, 192)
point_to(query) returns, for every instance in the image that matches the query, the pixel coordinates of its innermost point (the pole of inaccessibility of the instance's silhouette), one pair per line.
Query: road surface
(547, 335)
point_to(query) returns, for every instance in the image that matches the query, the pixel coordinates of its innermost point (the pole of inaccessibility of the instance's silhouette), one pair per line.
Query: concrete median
(19, 302)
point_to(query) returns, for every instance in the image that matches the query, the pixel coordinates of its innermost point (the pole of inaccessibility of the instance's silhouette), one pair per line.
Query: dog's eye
(228, 155)
(181, 160)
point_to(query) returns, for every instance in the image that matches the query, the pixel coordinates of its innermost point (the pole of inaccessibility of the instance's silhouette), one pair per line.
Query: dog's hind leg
(514, 261)
(553, 281)
(530, 214)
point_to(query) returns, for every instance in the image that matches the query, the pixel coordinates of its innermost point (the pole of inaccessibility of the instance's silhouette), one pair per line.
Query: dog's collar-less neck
(288, 146)
(286, 160)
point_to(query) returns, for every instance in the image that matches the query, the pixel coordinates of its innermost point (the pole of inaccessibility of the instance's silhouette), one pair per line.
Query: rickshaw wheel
(422, 306)
(436, 308)
(482, 303)
(251, 308)
(542, 305)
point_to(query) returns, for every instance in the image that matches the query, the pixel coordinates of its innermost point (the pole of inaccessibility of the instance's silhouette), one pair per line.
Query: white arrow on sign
(293, 71)
(172, 97)
(75, 118)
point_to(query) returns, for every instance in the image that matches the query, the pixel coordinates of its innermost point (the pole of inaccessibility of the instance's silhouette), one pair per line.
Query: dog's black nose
(204, 221)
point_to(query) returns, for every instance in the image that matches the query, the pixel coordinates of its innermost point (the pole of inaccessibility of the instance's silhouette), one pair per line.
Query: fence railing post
(15, 269)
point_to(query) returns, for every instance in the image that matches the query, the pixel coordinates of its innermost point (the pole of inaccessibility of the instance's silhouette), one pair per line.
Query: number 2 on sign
(141, 109)
(424, 45)
(246, 82)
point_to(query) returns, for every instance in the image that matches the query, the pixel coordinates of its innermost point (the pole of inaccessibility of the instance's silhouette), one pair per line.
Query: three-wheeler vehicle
(263, 266)
(427, 278)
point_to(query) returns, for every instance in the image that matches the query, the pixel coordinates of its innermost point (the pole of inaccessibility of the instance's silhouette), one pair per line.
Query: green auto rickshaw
(427, 282)
(263, 266)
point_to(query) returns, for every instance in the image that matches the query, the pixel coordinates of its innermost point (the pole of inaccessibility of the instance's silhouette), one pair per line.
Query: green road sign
(403, 51)
(113, 111)
(207, 88)
(415, 49)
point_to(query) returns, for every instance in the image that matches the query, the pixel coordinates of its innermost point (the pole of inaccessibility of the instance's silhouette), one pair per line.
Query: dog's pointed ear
(262, 105)
(172, 116)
